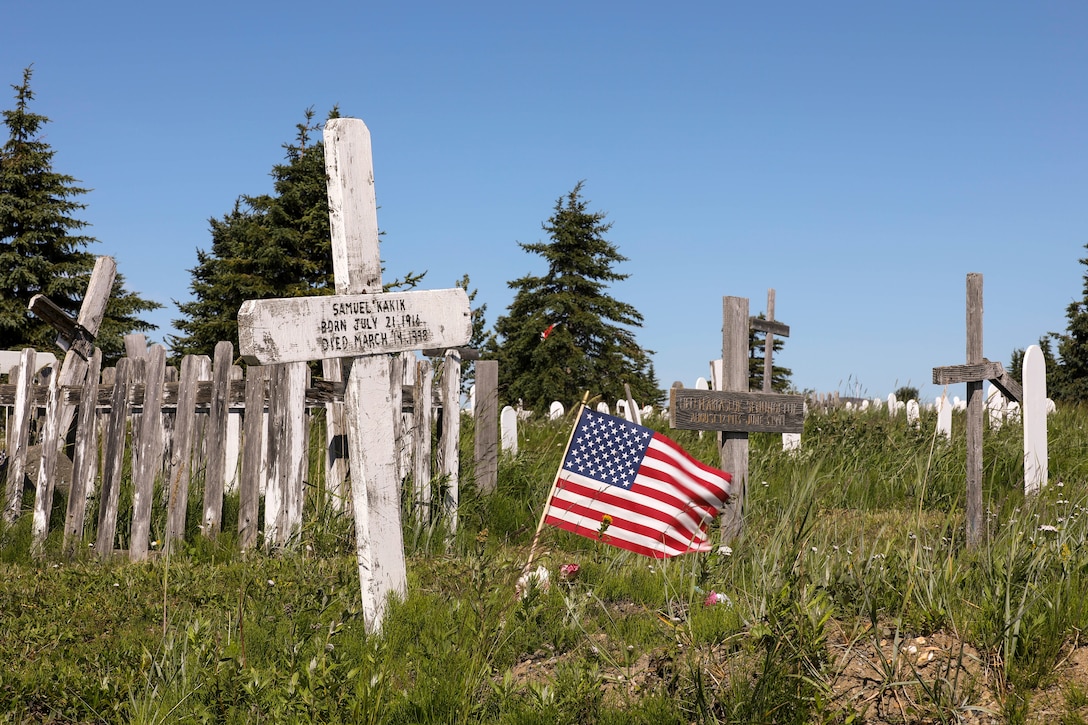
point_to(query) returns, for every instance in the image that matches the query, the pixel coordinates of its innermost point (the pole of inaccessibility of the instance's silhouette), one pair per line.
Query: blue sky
(860, 158)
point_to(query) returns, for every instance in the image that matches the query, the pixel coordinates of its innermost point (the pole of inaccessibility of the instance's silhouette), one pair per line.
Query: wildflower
(717, 598)
(481, 537)
(1048, 527)
(538, 579)
(606, 521)
(271, 583)
(725, 550)
(567, 572)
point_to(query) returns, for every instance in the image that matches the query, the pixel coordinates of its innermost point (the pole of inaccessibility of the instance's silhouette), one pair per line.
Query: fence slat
(252, 434)
(114, 458)
(424, 415)
(84, 457)
(148, 442)
(216, 439)
(182, 449)
(47, 468)
(19, 436)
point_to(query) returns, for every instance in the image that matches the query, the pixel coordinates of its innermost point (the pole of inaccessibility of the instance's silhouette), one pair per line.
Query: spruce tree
(42, 249)
(757, 347)
(563, 334)
(271, 245)
(1070, 382)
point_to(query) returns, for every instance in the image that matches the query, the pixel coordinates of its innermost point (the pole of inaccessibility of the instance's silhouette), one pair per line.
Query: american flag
(634, 488)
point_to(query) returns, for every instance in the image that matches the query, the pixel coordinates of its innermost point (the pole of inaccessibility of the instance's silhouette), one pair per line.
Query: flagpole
(555, 483)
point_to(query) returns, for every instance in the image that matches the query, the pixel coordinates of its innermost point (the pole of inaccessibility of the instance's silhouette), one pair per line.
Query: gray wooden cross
(771, 327)
(365, 324)
(733, 411)
(977, 370)
(76, 336)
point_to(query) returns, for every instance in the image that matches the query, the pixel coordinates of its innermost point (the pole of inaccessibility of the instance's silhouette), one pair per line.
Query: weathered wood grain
(148, 440)
(486, 435)
(424, 417)
(253, 425)
(974, 372)
(336, 450)
(734, 456)
(114, 444)
(318, 393)
(47, 468)
(84, 457)
(736, 412)
(299, 329)
(449, 461)
(216, 437)
(975, 405)
(19, 435)
(181, 453)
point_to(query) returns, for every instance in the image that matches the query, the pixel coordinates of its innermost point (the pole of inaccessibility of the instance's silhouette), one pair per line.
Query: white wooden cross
(361, 322)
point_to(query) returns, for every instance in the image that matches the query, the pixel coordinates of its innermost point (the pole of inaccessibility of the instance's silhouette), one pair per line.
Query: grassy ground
(850, 598)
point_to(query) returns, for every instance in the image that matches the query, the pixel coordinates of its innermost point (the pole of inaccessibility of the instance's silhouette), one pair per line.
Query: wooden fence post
(148, 440)
(487, 425)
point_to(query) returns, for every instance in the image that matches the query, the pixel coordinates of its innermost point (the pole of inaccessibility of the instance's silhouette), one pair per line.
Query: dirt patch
(884, 675)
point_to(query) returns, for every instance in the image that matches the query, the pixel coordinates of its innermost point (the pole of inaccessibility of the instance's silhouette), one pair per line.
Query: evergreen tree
(757, 346)
(479, 333)
(271, 245)
(42, 249)
(1071, 375)
(563, 333)
(1016, 363)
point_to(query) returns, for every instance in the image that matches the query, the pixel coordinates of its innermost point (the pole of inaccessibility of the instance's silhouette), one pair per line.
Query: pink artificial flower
(715, 598)
(567, 572)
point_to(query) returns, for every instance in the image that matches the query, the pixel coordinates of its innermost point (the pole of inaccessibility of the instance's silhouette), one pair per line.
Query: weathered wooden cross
(76, 336)
(977, 370)
(771, 327)
(363, 323)
(733, 410)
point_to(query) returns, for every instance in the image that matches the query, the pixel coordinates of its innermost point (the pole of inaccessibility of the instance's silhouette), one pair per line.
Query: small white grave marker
(556, 410)
(508, 426)
(995, 407)
(1035, 438)
(913, 416)
(944, 416)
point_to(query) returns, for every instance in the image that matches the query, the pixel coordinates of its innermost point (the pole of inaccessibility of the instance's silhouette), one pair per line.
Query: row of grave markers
(361, 326)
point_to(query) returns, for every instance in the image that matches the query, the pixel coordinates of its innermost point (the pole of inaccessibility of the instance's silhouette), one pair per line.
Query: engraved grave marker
(362, 323)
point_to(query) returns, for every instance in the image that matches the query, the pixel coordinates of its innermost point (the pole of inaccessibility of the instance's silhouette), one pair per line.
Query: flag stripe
(658, 497)
(635, 509)
(623, 540)
(671, 472)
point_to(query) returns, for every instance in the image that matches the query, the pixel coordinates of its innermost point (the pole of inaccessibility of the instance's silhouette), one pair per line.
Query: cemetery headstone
(944, 416)
(362, 322)
(733, 411)
(508, 422)
(977, 370)
(1034, 412)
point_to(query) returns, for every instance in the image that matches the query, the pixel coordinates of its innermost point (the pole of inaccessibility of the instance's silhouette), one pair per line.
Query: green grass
(855, 542)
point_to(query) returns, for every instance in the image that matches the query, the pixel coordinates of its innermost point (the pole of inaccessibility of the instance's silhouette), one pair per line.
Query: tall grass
(852, 546)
